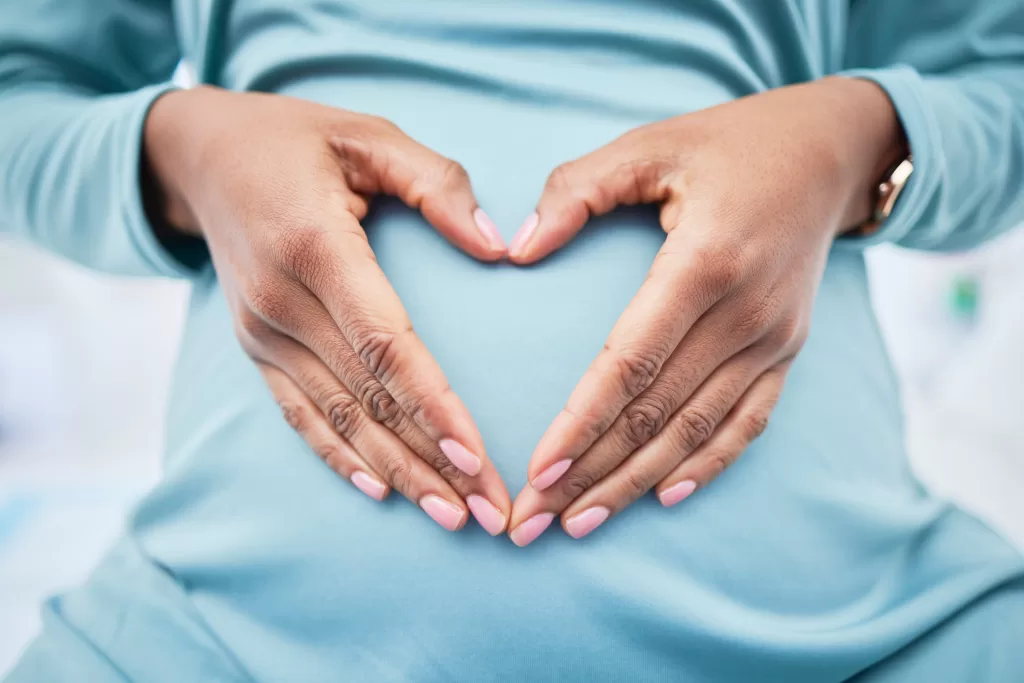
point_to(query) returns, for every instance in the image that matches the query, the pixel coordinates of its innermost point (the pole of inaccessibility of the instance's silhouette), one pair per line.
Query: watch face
(889, 191)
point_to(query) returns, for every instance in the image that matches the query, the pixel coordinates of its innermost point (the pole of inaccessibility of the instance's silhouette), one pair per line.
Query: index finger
(371, 318)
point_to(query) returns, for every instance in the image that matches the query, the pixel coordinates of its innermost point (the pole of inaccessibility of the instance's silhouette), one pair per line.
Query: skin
(752, 195)
(277, 187)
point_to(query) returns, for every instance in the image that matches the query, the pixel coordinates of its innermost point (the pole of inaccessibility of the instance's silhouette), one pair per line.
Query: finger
(686, 432)
(697, 356)
(398, 466)
(695, 420)
(597, 486)
(294, 331)
(393, 163)
(345, 411)
(674, 296)
(618, 173)
(309, 422)
(340, 270)
(745, 423)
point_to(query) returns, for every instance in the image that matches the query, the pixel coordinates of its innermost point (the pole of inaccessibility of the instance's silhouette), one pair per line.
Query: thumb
(614, 175)
(393, 163)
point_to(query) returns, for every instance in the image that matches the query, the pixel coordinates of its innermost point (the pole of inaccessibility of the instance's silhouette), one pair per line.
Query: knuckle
(791, 333)
(380, 405)
(397, 472)
(637, 370)
(718, 463)
(695, 427)
(327, 452)
(252, 331)
(758, 318)
(295, 415)
(443, 466)
(453, 175)
(452, 474)
(343, 412)
(720, 270)
(428, 410)
(266, 302)
(560, 179)
(300, 250)
(575, 483)
(635, 485)
(376, 350)
(643, 420)
(383, 123)
(754, 424)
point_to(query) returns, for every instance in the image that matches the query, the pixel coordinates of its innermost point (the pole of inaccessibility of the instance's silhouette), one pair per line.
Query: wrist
(168, 135)
(869, 141)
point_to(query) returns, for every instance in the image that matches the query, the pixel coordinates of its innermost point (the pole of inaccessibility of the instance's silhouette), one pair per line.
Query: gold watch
(889, 191)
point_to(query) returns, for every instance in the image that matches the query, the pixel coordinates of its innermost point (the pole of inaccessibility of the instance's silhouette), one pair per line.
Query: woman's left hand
(752, 194)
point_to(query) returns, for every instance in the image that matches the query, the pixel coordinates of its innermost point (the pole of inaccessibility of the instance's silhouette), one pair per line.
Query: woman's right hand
(277, 187)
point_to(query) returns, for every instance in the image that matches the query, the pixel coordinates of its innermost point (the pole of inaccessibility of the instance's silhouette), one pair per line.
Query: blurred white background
(85, 363)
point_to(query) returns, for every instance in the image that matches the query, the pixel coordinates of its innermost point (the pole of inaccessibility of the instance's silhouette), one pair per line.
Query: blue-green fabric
(817, 557)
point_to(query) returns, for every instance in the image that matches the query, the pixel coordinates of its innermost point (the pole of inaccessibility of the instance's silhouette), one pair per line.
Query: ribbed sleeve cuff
(906, 89)
(149, 257)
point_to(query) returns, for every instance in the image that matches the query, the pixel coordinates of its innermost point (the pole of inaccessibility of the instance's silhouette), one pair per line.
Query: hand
(277, 188)
(752, 194)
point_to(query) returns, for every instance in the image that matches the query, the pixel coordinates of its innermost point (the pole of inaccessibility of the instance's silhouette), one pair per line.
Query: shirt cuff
(151, 256)
(906, 90)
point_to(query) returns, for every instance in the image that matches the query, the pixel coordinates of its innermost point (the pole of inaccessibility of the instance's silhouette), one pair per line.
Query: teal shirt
(816, 557)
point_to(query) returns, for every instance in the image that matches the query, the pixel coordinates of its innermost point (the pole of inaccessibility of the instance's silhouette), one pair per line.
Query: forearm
(77, 80)
(955, 74)
(69, 169)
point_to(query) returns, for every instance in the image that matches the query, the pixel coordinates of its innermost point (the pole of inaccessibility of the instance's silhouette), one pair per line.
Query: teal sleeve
(955, 72)
(77, 78)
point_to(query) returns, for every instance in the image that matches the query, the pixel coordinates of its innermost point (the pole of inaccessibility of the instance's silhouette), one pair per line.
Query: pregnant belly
(306, 579)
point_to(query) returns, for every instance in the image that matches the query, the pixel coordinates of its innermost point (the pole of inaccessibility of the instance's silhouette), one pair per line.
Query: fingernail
(460, 456)
(582, 524)
(677, 492)
(369, 485)
(490, 517)
(441, 511)
(552, 474)
(488, 229)
(527, 532)
(526, 231)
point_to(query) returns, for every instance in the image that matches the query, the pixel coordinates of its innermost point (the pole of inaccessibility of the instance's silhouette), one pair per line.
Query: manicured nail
(527, 532)
(525, 233)
(582, 524)
(490, 517)
(677, 492)
(460, 456)
(488, 229)
(369, 485)
(441, 511)
(549, 476)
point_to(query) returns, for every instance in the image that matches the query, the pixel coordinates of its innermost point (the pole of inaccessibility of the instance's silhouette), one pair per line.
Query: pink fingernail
(582, 524)
(490, 517)
(677, 492)
(460, 456)
(441, 511)
(488, 229)
(368, 485)
(526, 231)
(527, 532)
(552, 474)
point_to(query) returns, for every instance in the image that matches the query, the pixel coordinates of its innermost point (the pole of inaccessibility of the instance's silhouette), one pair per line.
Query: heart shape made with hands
(691, 369)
